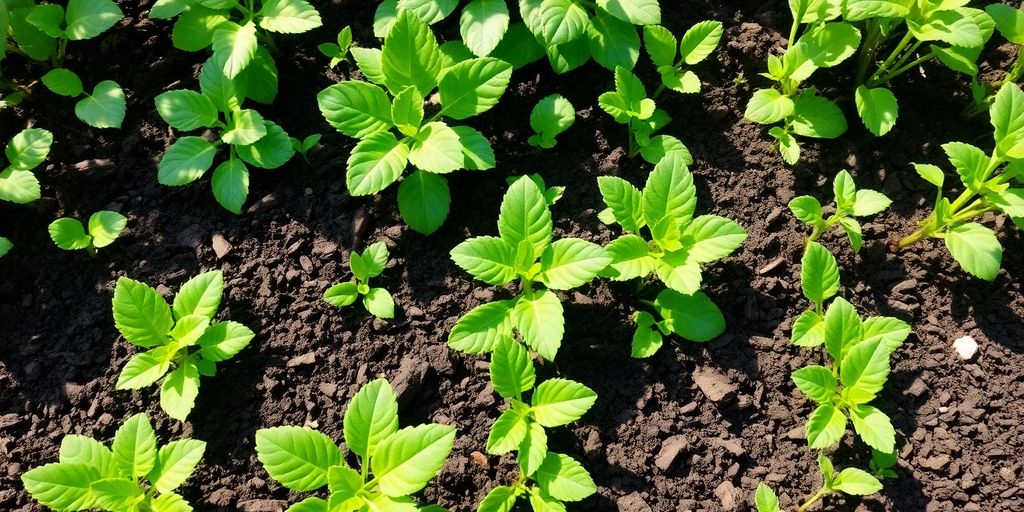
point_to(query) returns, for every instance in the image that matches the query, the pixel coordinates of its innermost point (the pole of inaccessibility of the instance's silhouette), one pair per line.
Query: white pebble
(966, 347)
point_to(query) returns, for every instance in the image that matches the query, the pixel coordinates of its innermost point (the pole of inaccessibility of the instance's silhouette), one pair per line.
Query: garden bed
(695, 427)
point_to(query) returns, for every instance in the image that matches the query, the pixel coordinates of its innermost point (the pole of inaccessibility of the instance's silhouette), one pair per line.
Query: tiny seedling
(131, 475)
(1009, 22)
(239, 34)
(850, 203)
(303, 146)
(183, 339)
(393, 463)
(250, 138)
(25, 151)
(986, 189)
(338, 51)
(673, 57)
(403, 73)
(628, 104)
(550, 117)
(365, 266)
(104, 227)
(524, 251)
(5, 246)
(42, 31)
(850, 481)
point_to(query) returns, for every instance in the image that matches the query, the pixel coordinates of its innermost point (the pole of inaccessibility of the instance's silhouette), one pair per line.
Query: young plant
(393, 463)
(665, 239)
(5, 246)
(850, 203)
(988, 180)
(523, 251)
(800, 110)
(1009, 22)
(546, 478)
(303, 146)
(338, 52)
(239, 33)
(42, 31)
(696, 45)
(249, 137)
(860, 352)
(25, 151)
(131, 475)
(550, 117)
(104, 227)
(628, 104)
(850, 481)
(405, 72)
(183, 340)
(366, 265)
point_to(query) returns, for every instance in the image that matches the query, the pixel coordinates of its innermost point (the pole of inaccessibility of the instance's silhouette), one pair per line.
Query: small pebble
(966, 347)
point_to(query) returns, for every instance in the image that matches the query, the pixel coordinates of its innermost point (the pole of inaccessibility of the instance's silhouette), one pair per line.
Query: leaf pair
(524, 250)
(394, 463)
(628, 104)
(851, 481)
(693, 317)
(103, 108)
(182, 342)
(670, 56)
(25, 151)
(364, 266)
(90, 475)
(104, 227)
(550, 117)
(849, 204)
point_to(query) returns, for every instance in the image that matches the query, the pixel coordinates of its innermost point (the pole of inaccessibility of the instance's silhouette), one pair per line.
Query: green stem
(924, 58)
(868, 50)
(1015, 71)
(896, 53)
(812, 500)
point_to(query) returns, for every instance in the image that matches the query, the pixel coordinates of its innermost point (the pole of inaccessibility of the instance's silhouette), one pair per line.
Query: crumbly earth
(694, 427)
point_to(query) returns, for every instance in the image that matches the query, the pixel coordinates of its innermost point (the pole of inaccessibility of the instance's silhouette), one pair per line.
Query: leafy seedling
(628, 104)
(365, 266)
(551, 194)
(882, 463)
(987, 180)
(393, 463)
(25, 151)
(547, 479)
(104, 227)
(850, 481)
(673, 57)
(303, 146)
(524, 251)
(550, 117)
(131, 475)
(182, 341)
(239, 32)
(338, 51)
(5, 246)
(1009, 22)
(850, 204)
(249, 137)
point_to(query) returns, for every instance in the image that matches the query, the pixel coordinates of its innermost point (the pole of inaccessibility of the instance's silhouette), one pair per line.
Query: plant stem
(896, 53)
(812, 500)
(925, 58)
(868, 50)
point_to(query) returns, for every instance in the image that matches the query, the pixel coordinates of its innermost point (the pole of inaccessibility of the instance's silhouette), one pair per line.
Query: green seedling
(131, 475)
(338, 51)
(882, 463)
(673, 57)
(550, 117)
(850, 204)
(104, 227)
(25, 151)
(182, 341)
(987, 180)
(850, 481)
(5, 246)
(628, 104)
(239, 32)
(393, 463)
(42, 31)
(1009, 22)
(547, 479)
(525, 252)
(551, 194)
(249, 137)
(801, 110)
(303, 146)
(365, 266)
(403, 73)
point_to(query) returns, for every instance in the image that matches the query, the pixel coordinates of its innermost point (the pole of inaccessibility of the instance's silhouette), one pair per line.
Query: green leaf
(379, 303)
(550, 117)
(134, 447)
(853, 231)
(512, 371)
(558, 402)
(819, 275)
(669, 197)
(140, 314)
(271, 151)
(407, 111)
(856, 10)
(540, 322)
(410, 56)
(116, 493)
(76, 449)
(244, 127)
(891, 331)
(405, 461)
(297, 457)
(357, 109)
(18, 186)
(87, 19)
(807, 209)
(201, 295)
(857, 482)
(47, 18)
(635, 12)
(970, 162)
(646, 339)
(864, 371)
(186, 110)
(30, 39)
(376, 258)
(874, 427)
(237, 46)
(877, 108)
(508, 432)
(624, 200)
(29, 148)
(817, 382)
(185, 161)
(845, 190)
(569, 56)
(829, 44)
(976, 248)
(814, 116)
(710, 238)
(765, 499)
(561, 21)
(69, 234)
(842, 328)
(227, 94)
(500, 499)
(376, 162)
(430, 11)
(195, 28)
(519, 47)
(62, 486)
(533, 449)
(870, 202)
(230, 184)
(480, 329)
(343, 480)
(525, 216)
(371, 417)
(423, 200)
(437, 149)
(223, 340)
(700, 41)
(63, 81)
(949, 26)
(661, 45)
(175, 462)
(570, 263)
(931, 173)
(489, 259)
(788, 146)
(769, 106)
(473, 86)
(341, 295)
(678, 273)
(613, 43)
(167, 9)
(565, 479)
(825, 427)
(1009, 21)
(809, 329)
(289, 16)
(1010, 201)
(104, 108)
(482, 25)
(5, 246)
(145, 368)
(180, 389)
(694, 317)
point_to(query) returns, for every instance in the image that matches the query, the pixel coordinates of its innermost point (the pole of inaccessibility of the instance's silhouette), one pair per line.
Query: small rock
(222, 497)
(633, 503)
(593, 445)
(329, 389)
(670, 450)
(937, 462)
(713, 384)
(479, 459)
(221, 247)
(732, 446)
(408, 381)
(966, 347)
(726, 493)
(917, 388)
(304, 359)
(262, 506)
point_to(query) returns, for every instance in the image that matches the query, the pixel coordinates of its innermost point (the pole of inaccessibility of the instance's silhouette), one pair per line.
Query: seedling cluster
(364, 266)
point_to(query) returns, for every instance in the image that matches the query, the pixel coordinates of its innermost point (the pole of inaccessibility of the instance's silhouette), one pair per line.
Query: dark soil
(960, 424)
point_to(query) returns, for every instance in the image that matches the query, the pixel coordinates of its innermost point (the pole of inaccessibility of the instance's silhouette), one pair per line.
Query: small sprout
(130, 475)
(365, 266)
(850, 203)
(393, 463)
(338, 52)
(25, 151)
(882, 463)
(5, 246)
(699, 42)
(550, 117)
(104, 227)
(303, 146)
(183, 339)
(850, 481)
